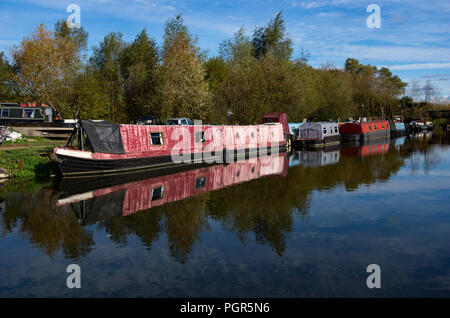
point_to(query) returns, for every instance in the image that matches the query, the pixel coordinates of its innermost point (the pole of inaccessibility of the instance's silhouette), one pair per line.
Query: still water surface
(305, 225)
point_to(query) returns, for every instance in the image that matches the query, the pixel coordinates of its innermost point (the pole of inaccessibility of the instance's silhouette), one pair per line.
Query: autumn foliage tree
(40, 62)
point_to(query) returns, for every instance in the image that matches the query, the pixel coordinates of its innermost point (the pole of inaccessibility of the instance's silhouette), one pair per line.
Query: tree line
(251, 75)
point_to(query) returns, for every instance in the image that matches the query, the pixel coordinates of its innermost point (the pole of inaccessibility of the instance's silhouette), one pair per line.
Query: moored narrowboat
(107, 148)
(398, 128)
(26, 115)
(364, 131)
(294, 129)
(319, 134)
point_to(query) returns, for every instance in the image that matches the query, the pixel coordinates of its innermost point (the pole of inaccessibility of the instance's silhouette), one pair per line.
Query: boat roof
(320, 124)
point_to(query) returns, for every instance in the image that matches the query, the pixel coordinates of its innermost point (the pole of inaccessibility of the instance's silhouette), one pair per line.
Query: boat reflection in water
(400, 141)
(93, 203)
(112, 196)
(315, 158)
(373, 147)
(331, 155)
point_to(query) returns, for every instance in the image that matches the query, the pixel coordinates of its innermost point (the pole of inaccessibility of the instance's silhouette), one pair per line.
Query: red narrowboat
(107, 148)
(370, 149)
(364, 131)
(106, 200)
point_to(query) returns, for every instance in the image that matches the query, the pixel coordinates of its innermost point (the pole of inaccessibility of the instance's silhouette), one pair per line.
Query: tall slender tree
(182, 90)
(138, 67)
(106, 61)
(272, 38)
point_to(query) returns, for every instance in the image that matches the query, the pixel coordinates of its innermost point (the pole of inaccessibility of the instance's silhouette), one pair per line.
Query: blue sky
(413, 41)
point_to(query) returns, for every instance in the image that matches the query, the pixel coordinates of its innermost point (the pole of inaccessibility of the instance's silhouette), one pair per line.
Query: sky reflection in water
(301, 226)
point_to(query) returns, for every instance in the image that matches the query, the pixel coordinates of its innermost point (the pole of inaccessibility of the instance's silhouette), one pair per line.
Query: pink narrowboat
(107, 148)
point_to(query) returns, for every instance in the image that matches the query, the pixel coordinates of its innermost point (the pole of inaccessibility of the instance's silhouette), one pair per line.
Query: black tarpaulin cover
(103, 136)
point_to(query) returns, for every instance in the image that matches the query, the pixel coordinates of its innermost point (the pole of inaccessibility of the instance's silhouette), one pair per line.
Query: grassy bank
(27, 162)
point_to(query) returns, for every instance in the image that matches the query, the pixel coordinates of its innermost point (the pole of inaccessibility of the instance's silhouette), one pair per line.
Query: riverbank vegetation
(28, 162)
(252, 75)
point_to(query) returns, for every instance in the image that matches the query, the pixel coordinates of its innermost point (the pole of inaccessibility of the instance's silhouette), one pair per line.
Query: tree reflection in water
(39, 221)
(244, 198)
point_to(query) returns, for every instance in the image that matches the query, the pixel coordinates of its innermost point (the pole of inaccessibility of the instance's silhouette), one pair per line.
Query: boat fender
(224, 157)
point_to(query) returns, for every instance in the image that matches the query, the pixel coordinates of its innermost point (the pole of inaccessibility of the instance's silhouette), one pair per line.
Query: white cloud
(308, 4)
(395, 54)
(419, 66)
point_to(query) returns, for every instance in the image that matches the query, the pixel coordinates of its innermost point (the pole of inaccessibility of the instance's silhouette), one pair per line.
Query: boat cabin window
(335, 129)
(156, 138)
(5, 112)
(199, 136)
(370, 127)
(157, 193)
(324, 131)
(387, 125)
(382, 125)
(375, 127)
(200, 182)
(28, 113)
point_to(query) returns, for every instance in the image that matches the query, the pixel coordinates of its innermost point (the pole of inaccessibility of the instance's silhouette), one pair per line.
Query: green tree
(272, 38)
(78, 36)
(375, 91)
(73, 40)
(106, 60)
(216, 69)
(90, 96)
(261, 78)
(138, 67)
(182, 89)
(336, 95)
(389, 89)
(7, 84)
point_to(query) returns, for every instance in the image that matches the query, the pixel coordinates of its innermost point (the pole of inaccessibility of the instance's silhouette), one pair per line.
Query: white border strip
(74, 153)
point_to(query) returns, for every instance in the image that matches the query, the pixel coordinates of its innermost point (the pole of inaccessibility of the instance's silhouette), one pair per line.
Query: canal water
(304, 225)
